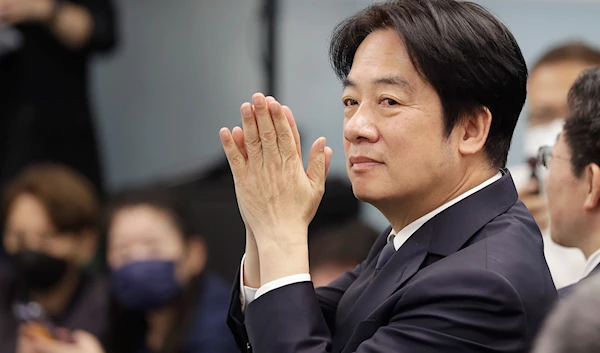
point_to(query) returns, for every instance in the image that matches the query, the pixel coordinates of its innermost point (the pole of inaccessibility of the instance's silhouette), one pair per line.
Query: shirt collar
(591, 264)
(402, 236)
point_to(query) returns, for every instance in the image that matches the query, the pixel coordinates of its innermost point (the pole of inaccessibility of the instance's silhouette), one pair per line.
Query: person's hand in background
(67, 342)
(536, 202)
(19, 11)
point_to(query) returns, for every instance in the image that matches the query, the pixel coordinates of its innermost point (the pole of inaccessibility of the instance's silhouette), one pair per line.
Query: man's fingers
(251, 137)
(328, 155)
(236, 159)
(316, 170)
(238, 137)
(270, 99)
(285, 138)
(292, 122)
(266, 129)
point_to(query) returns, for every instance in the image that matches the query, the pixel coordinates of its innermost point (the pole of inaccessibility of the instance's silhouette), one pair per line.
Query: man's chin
(366, 194)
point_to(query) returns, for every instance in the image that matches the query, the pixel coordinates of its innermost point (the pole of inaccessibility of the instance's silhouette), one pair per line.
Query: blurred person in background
(45, 49)
(550, 79)
(337, 248)
(573, 183)
(50, 235)
(163, 300)
(574, 323)
(209, 195)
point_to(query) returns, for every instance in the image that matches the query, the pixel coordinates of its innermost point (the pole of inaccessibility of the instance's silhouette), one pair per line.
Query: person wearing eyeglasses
(573, 183)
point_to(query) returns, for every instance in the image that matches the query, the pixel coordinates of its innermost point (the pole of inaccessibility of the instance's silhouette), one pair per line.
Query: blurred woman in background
(50, 214)
(163, 300)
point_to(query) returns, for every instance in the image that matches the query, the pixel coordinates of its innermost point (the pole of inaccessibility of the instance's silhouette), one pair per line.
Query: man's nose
(361, 126)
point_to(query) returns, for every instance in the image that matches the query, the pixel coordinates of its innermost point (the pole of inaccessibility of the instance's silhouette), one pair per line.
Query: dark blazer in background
(198, 328)
(565, 291)
(87, 309)
(472, 279)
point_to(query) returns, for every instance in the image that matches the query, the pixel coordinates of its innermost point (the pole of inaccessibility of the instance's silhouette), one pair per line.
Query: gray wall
(186, 65)
(182, 71)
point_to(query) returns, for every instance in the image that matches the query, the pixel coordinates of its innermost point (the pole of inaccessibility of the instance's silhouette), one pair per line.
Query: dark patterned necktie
(386, 253)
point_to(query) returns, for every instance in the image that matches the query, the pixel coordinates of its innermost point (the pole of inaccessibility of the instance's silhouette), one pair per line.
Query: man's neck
(591, 243)
(55, 300)
(402, 213)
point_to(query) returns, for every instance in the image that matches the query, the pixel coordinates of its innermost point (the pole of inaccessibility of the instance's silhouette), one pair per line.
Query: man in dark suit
(432, 93)
(573, 183)
(574, 323)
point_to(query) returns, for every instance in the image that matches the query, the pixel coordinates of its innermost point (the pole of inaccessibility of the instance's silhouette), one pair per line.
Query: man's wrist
(282, 260)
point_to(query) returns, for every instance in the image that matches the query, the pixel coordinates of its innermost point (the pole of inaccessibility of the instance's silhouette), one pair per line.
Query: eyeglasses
(545, 156)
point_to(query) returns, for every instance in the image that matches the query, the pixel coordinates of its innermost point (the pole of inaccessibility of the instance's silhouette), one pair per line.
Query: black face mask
(38, 271)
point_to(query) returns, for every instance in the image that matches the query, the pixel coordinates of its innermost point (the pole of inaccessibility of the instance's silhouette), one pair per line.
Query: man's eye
(389, 101)
(349, 102)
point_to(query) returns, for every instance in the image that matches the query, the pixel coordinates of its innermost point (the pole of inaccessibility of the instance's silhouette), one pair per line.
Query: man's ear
(196, 255)
(593, 180)
(473, 131)
(87, 246)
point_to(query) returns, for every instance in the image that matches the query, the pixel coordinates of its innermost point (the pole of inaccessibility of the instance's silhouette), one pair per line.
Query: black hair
(467, 55)
(156, 197)
(582, 126)
(344, 243)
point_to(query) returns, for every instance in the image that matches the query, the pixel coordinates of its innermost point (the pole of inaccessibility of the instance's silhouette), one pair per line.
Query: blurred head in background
(573, 185)
(164, 300)
(550, 79)
(337, 248)
(150, 253)
(50, 216)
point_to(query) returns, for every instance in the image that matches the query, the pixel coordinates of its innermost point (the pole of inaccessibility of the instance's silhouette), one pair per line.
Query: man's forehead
(393, 79)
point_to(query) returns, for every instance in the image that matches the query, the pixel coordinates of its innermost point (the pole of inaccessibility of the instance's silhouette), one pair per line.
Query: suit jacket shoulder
(471, 279)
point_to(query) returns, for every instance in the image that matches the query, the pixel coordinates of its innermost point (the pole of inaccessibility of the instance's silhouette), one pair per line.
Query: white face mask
(542, 135)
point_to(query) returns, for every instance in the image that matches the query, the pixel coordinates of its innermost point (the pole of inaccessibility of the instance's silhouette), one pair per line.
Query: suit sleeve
(465, 311)
(330, 295)
(326, 299)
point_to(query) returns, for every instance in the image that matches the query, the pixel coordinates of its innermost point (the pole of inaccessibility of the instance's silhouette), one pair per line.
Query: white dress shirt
(591, 264)
(248, 294)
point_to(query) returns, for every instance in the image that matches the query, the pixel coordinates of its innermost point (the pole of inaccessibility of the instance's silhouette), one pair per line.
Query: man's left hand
(277, 197)
(20, 11)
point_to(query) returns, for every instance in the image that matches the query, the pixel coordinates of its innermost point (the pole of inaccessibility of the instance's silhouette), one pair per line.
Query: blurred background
(163, 78)
(183, 69)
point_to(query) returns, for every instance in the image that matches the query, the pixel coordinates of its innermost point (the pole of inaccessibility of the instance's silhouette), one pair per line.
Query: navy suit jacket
(472, 279)
(565, 291)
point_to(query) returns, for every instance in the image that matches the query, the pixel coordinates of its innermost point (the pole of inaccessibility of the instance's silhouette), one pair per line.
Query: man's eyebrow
(348, 83)
(395, 80)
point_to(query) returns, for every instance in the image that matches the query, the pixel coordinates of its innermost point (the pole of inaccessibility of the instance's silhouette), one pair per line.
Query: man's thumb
(316, 170)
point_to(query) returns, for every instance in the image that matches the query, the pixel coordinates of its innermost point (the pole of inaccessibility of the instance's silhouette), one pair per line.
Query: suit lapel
(443, 235)
(375, 290)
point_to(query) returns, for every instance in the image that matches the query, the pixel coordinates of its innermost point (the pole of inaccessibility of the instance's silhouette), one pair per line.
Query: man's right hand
(537, 203)
(251, 262)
